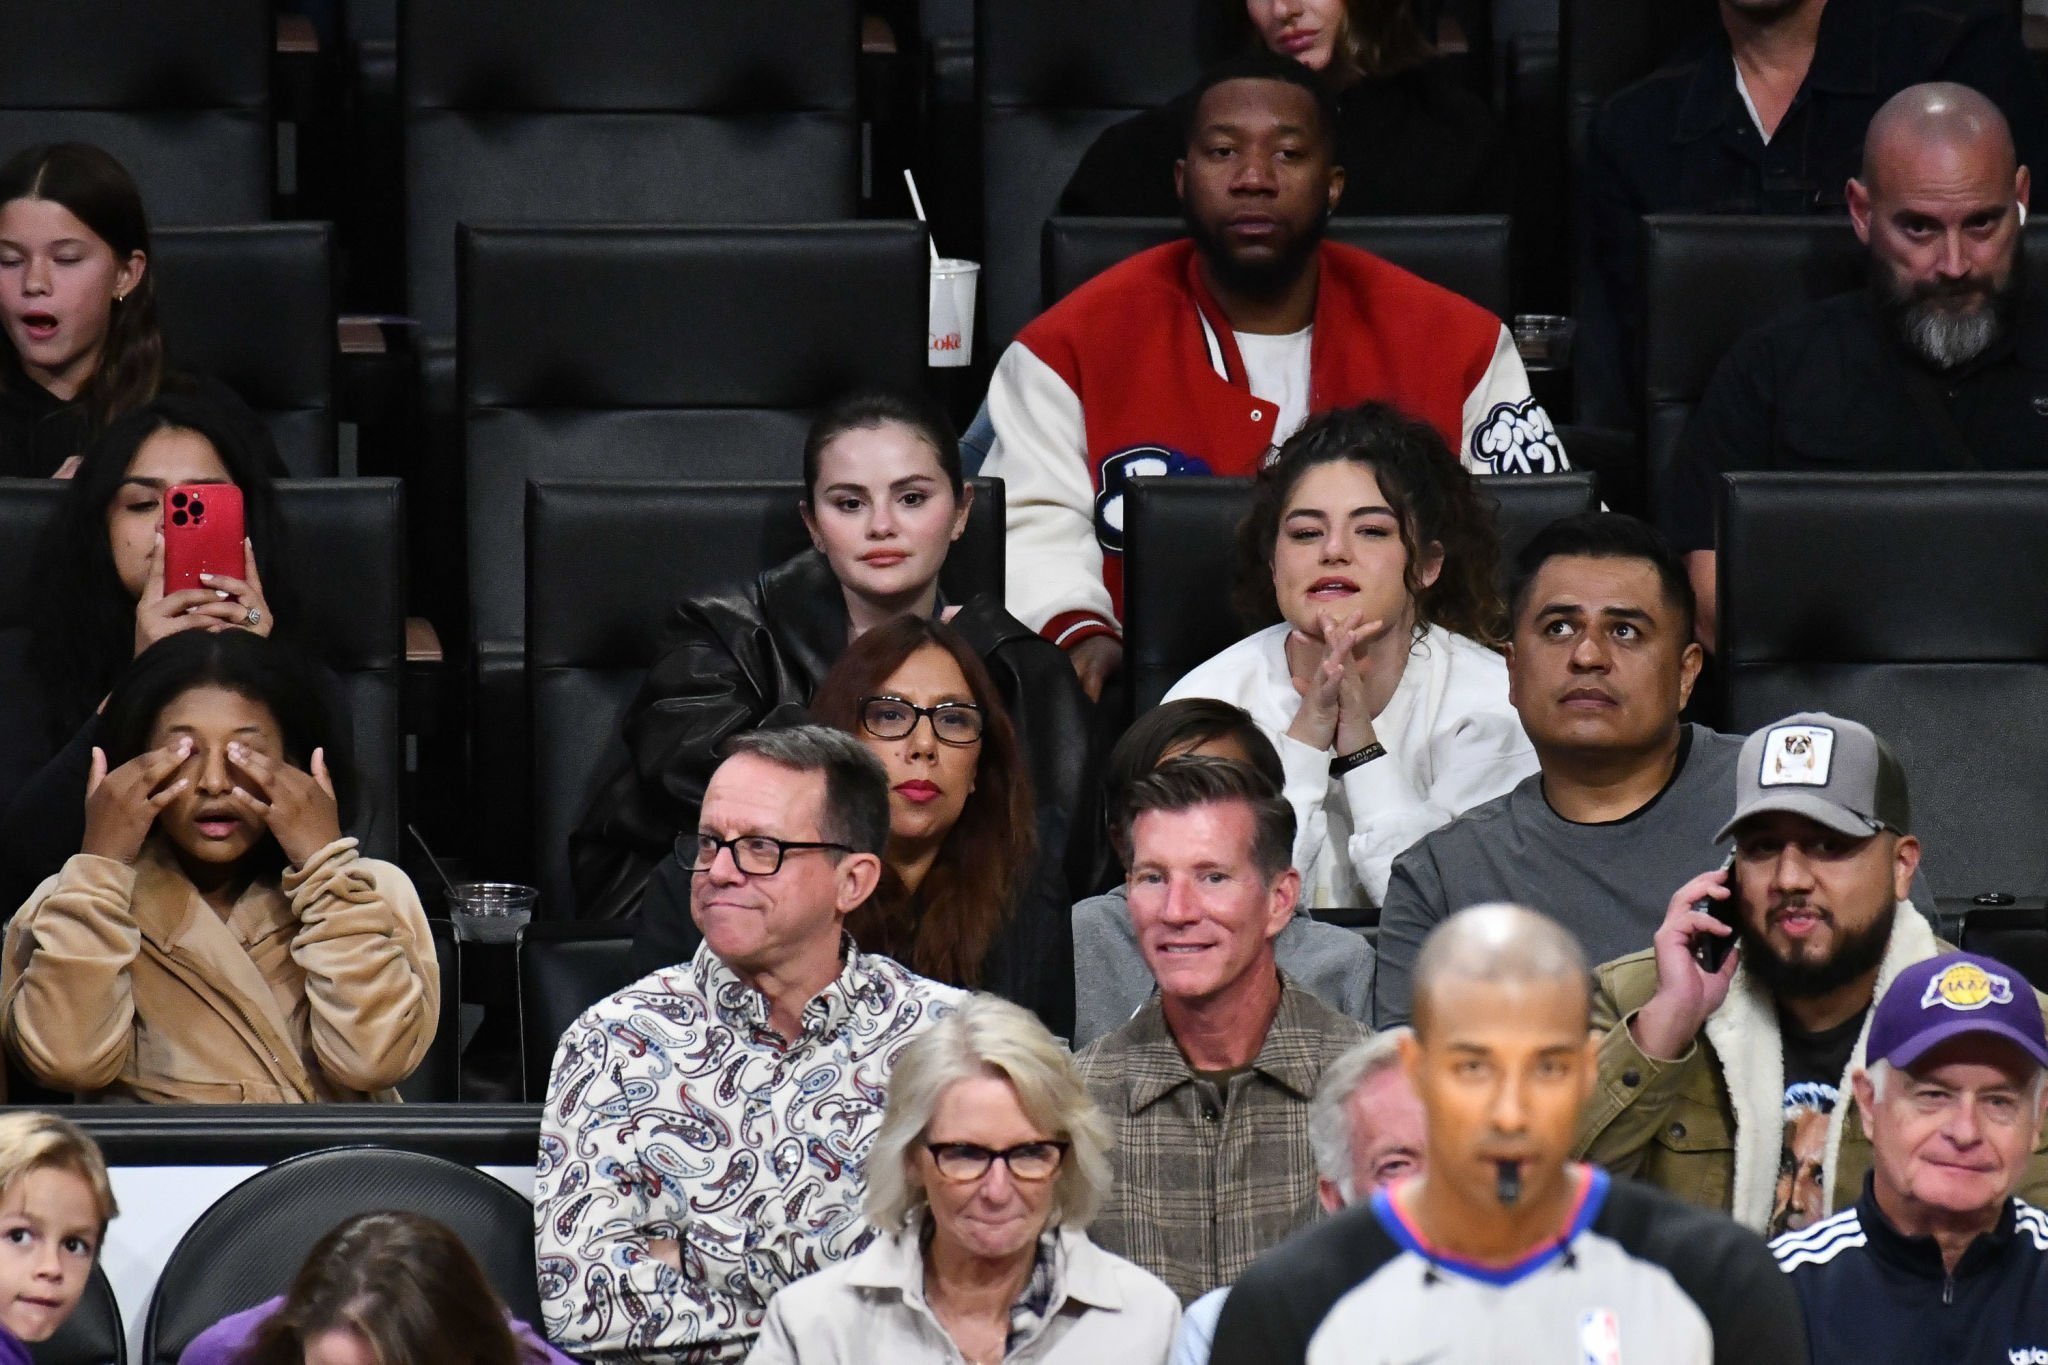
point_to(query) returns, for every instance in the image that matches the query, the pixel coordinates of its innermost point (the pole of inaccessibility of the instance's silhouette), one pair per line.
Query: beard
(1923, 317)
(1856, 952)
(1262, 278)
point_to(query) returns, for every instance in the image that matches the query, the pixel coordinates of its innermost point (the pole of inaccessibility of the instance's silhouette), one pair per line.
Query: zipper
(1948, 1289)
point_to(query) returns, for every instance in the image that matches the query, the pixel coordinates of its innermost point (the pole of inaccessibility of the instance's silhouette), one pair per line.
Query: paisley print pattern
(675, 1111)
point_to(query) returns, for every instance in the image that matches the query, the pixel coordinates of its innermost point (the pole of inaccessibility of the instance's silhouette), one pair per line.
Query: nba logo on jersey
(1600, 1337)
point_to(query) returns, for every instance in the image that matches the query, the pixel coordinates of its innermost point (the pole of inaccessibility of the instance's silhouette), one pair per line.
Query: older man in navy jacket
(1938, 1260)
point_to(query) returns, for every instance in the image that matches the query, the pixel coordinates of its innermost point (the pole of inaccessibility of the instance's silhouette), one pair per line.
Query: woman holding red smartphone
(97, 599)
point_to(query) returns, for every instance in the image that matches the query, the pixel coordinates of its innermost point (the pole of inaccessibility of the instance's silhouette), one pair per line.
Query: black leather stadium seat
(2016, 935)
(178, 93)
(606, 575)
(1180, 531)
(1466, 255)
(709, 351)
(438, 1078)
(253, 306)
(348, 560)
(565, 967)
(620, 111)
(1604, 45)
(1915, 604)
(1053, 74)
(92, 1335)
(247, 1247)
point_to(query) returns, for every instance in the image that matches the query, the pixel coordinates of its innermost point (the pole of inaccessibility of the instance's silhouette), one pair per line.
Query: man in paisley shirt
(705, 1129)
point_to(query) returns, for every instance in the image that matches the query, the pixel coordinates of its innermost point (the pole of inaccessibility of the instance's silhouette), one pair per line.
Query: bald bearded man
(1939, 363)
(1502, 1249)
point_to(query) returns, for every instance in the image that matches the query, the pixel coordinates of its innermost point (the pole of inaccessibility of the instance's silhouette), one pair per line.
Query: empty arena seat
(1053, 75)
(93, 1334)
(1915, 604)
(711, 350)
(1182, 531)
(605, 578)
(565, 967)
(179, 94)
(1466, 255)
(248, 1245)
(253, 306)
(620, 111)
(1604, 45)
(2016, 935)
(348, 561)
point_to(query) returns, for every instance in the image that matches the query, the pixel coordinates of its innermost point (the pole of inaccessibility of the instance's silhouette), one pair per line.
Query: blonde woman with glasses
(990, 1161)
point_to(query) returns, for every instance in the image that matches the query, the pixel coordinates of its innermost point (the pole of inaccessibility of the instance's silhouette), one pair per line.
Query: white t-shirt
(1278, 370)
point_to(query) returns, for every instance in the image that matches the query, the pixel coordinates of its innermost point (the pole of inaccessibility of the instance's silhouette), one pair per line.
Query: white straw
(918, 204)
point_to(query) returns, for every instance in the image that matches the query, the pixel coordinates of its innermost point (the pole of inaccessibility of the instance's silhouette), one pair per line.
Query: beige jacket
(1104, 1311)
(1709, 1126)
(120, 983)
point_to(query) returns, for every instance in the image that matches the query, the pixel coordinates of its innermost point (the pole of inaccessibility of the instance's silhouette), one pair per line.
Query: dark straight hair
(986, 856)
(870, 409)
(1185, 783)
(406, 1284)
(1185, 724)
(1608, 535)
(100, 193)
(1381, 37)
(267, 672)
(81, 617)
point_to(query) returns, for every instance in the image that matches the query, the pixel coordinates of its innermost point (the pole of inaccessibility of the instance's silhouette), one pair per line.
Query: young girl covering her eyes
(55, 1204)
(1372, 552)
(215, 938)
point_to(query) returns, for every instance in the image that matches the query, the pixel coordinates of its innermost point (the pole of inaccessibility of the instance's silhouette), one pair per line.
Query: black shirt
(1828, 388)
(1417, 141)
(38, 430)
(1681, 141)
(1815, 1063)
(1872, 1294)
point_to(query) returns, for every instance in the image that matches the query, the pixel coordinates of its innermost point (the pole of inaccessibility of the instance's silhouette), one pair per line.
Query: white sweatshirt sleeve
(1506, 429)
(1483, 756)
(1041, 455)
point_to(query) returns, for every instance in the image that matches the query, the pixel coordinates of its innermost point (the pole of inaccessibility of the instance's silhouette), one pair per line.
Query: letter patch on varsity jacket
(1517, 438)
(1117, 472)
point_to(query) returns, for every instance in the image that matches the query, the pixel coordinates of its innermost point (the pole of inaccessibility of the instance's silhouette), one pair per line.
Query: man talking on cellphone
(1502, 1249)
(1726, 1087)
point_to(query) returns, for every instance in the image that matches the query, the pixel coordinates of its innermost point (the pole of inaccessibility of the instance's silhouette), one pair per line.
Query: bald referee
(1503, 1251)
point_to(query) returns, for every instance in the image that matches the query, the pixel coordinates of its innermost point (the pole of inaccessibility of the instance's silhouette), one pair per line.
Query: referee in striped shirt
(1938, 1261)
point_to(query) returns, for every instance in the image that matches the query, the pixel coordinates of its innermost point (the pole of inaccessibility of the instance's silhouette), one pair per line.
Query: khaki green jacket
(1709, 1127)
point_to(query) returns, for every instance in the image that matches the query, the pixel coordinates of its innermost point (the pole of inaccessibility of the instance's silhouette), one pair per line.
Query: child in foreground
(55, 1204)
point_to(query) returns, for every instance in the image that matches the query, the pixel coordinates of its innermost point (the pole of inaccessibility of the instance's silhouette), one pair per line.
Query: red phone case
(202, 533)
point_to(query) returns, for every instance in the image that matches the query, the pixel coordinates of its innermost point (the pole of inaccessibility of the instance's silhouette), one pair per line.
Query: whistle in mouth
(1508, 1183)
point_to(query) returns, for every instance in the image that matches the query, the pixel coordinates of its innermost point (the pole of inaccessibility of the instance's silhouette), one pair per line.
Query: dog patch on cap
(1966, 986)
(1797, 756)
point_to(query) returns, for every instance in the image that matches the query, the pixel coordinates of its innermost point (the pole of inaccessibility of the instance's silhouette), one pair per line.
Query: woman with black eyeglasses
(965, 897)
(884, 501)
(989, 1163)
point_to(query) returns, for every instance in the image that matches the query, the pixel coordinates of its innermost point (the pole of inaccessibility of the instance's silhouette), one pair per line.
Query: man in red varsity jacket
(1201, 356)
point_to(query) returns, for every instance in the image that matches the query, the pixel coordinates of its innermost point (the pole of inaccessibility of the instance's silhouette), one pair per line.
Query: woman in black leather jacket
(885, 500)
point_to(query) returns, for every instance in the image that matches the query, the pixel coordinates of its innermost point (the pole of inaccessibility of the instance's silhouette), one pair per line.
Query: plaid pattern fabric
(1199, 1191)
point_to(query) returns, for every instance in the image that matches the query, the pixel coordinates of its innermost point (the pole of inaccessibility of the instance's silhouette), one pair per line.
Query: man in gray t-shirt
(1625, 808)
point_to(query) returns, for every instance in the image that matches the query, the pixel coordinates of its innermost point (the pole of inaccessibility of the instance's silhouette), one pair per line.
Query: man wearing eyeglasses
(1210, 1084)
(706, 1128)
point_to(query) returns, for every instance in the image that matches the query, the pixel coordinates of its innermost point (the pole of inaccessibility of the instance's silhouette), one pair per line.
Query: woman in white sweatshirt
(1374, 553)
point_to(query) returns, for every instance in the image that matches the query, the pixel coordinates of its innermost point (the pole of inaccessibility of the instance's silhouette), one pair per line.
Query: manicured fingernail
(222, 593)
(206, 578)
(235, 749)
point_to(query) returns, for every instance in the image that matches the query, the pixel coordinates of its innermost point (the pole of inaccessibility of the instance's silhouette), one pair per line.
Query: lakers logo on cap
(1966, 986)
(1797, 756)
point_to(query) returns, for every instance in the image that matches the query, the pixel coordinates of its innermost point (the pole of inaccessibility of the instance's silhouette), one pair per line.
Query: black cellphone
(1711, 950)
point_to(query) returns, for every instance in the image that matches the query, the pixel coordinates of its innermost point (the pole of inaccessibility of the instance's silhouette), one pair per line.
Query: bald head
(1937, 117)
(1499, 945)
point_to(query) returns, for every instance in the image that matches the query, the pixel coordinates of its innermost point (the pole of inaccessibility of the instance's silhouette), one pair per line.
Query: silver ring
(254, 618)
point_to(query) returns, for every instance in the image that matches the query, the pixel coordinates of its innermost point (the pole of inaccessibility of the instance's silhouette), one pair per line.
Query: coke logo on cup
(949, 342)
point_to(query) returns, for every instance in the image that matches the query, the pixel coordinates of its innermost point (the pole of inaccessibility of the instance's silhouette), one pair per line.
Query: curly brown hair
(1436, 500)
(986, 856)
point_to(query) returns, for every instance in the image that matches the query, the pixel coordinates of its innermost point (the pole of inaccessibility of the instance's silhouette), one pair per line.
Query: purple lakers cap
(1946, 997)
